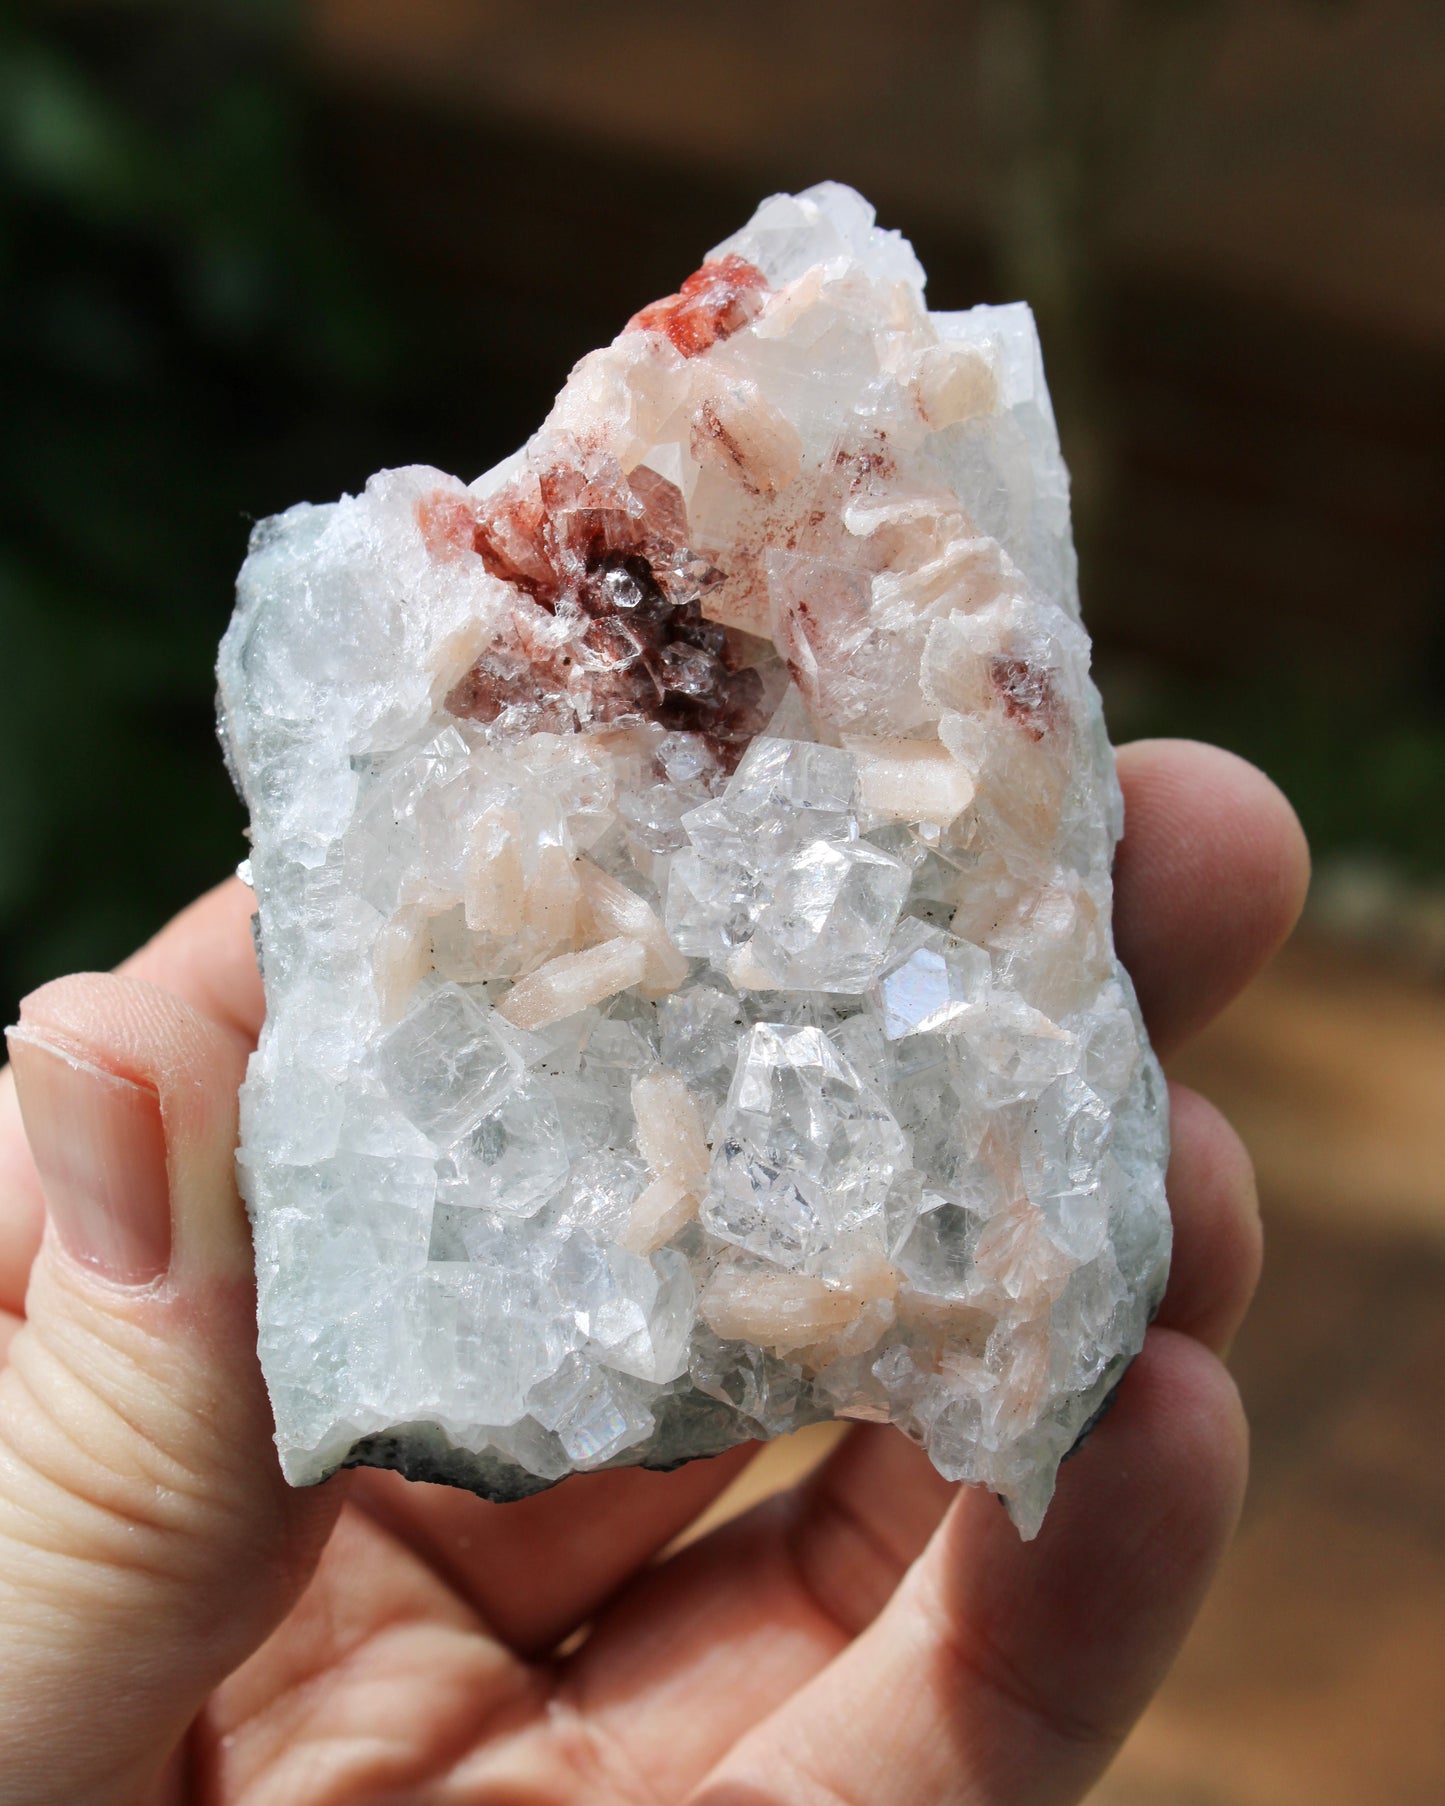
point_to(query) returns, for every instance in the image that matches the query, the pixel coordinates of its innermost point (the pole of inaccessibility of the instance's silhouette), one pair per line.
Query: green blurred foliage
(1366, 775)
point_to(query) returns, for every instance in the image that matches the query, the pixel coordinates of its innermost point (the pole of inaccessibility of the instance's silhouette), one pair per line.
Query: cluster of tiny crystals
(683, 868)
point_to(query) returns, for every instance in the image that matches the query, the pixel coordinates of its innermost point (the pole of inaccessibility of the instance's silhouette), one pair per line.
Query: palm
(424, 1638)
(779, 1658)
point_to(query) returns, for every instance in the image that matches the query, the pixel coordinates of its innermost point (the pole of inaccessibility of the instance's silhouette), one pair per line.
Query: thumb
(147, 1540)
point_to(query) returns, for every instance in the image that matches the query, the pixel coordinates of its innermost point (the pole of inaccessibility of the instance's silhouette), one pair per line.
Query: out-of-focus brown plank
(1317, 1670)
(1288, 149)
(1334, 1073)
(1314, 1675)
(1336, 1320)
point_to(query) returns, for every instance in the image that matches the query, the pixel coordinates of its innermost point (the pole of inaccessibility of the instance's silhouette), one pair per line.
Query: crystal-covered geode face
(683, 869)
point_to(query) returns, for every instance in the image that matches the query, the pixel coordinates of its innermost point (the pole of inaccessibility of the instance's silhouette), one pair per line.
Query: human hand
(177, 1625)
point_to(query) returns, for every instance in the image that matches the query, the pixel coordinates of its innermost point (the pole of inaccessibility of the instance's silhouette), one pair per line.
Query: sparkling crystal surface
(683, 864)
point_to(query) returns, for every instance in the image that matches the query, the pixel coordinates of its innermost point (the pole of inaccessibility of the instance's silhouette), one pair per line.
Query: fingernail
(100, 1149)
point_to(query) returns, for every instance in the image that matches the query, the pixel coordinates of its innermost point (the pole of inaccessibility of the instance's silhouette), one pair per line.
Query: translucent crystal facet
(682, 859)
(806, 1153)
(929, 981)
(446, 1064)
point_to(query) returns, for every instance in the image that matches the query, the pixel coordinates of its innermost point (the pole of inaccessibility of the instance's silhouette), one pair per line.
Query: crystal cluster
(682, 860)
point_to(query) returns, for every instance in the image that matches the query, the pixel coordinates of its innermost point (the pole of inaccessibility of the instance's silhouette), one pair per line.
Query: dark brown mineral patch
(1028, 695)
(606, 626)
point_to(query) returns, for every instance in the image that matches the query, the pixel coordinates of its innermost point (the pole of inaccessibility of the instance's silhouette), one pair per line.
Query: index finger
(1210, 878)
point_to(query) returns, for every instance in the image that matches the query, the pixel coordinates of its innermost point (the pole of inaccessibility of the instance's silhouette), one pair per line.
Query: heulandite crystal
(683, 867)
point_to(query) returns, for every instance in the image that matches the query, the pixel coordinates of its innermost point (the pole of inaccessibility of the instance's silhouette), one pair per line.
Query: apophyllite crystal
(683, 869)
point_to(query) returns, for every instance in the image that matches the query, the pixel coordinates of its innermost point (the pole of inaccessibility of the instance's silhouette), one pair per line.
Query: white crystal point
(683, 866)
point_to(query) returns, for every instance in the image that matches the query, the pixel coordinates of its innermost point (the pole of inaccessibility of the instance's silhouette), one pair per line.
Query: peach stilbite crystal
(683, 864)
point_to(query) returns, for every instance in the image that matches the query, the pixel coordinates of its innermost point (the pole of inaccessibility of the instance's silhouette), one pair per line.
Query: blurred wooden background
(1317, 1672)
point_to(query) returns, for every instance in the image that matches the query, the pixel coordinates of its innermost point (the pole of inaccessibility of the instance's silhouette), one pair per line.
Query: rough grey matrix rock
(683, 867)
